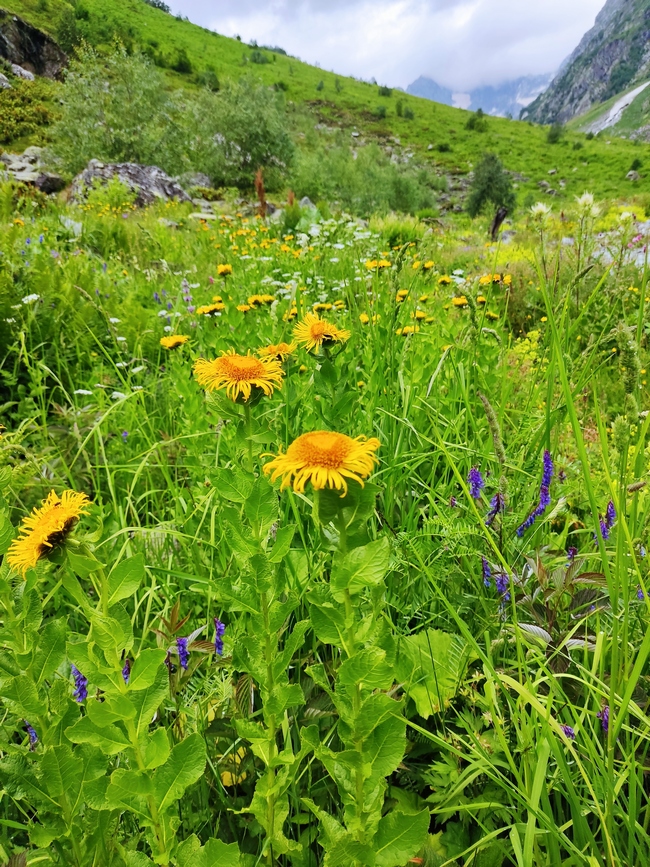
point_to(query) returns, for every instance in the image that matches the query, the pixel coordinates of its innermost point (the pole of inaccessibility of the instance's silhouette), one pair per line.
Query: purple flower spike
(80, 685)
(183, 653)
(33, 737)
(610, 515)
(502, 584)
(571, 555)
(569, 732)
(219, 630)
(497, 506)
(475, 482)
(640, 595)
(453, 502)
(126, 671)
(544, 495)
(603, 716)
(487, 572)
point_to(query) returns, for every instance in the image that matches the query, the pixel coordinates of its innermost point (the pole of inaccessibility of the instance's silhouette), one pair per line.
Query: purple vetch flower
(80, 685)
(125, 435)
(126, 671)
(640, 595)
(183, 653)
(607, 522)
(104, 267)
(544, 495)
(41, 238)
(157, 298)
(497, 506)
(487, 572)
(54, 254)
(219, 631)
(569, 732)
(603, 716)
(502, 582)
(170, 306)
(191, 308)
(453, 502)
(476, 482)
(33, 737)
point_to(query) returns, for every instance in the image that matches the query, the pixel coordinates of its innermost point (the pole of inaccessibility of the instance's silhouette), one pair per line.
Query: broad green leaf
(360, 568)
(107, 632)
(147, 701)
(82, 564)
(61, 771)
(6, 534)
(432, 665)
(129, 789)
(327, 617)
(114, 708)
(51, 650)
(232, 484)
(19, 778)
(283, 541)
(125, 579)
(384, 749)
(137, 859)
(215, 853)
(109, 739)
(399, 837)
(261, 507)
(352, 510)
(145, 670)
(156, 750)
(21, 692)
(368, 668)
(184, 766)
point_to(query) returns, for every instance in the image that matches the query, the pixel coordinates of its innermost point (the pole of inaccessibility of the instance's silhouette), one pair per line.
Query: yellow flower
(383, 263)
(364, 319)
(508, 279)
(291, 314)
(423, 299)
(460, 301)
(416, 265)
(239, 374)
(429, 265)
(481, 299)
(321, 307)
(46, 528)
(485, 280)
(402, 295)
(339, 304)
(208, 309)
(224, 270)
(279, 351)
(314, 332)
(326, 459)
(244, 308)
(445, 280)
(419, 314)
(174, 341)
(19, 222)
(490, 315)
(217, 299)
(407, 330)
(371, 264)
(254, 300)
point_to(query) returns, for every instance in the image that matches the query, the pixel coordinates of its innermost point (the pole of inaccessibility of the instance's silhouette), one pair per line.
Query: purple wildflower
(487, 572)
(569, 732)
(640, 595)
(453, 502)
(157, 298)
(571, 554)
(33, 737)
(219, 630)
(126, 671)
(170, 306)
(475, 482)
(125, 434)
(607, 522)
(80, 685)
(497, 506)
(502, 583)
(603, 716)
(104, 267)
(183, 653)
(41, 238)
(544, 495)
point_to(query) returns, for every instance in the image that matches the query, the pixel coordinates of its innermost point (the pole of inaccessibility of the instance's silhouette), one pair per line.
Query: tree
(491, 187)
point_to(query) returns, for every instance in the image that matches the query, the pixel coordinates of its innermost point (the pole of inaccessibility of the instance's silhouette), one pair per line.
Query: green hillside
(435, 133)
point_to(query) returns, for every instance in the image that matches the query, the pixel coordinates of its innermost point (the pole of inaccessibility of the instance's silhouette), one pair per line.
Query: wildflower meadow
(322, 541)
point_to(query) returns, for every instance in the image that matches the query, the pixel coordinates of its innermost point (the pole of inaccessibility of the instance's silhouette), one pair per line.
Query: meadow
(323, 541)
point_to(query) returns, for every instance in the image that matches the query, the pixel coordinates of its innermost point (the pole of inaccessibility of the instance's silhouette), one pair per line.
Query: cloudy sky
(460, 43)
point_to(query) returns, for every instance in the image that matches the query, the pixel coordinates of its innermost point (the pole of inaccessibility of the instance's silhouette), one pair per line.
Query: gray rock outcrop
(29, 48)
(149, 183)
(28, 168)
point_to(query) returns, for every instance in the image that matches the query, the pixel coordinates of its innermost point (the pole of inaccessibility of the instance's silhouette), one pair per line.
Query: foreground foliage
(220, 659)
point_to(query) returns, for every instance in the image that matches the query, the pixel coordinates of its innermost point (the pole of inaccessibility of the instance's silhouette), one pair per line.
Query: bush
(380, 112)
(477, 122)
(399, 108)
(408, 113)
(23, 110)
(385, 91)
(320, 86)
(578, 146)
(555, 133)
(491, 186)
(158, 4)
(209, 79)
(182, 64)
(258, 56)
(590, 136)
(443, 147)
(636, 165)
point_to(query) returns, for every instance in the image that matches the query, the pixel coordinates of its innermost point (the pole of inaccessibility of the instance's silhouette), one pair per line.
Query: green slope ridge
(347, 103)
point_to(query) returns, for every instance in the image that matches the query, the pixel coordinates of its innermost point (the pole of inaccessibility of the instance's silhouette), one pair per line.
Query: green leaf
(111, 740)
(215, 853)
(82, 565)
(147, 701)
(261, 507)
(107, 632)
(352, 510)
(399, 837)
(51, 650)
(368, 668)
(184, 766)
(145, 669)
(61, 772)
(21, 692)
(6, 534)
(384, 749)
(129, 790)
(283, 541)
(125, 579)
(232, 485)
(156, 750)
(432, 665)
(114, 708)
(360, 568)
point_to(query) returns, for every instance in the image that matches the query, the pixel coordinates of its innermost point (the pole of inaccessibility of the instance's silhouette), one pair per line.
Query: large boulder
(27, 168)
(150, 183)
(29, 48)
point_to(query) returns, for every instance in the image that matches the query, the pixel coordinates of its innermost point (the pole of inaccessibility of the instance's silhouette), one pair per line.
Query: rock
(196, 179)
(29, 48)
(48, 182)
(356, 134)
(430, 147)
(4, 82)
(150, 183)
(507, 236)
(33, 154)
(568, 242)
(19, 72)
(75, 227)
(551, 192)
(544, 185)
(633, 176)
(169, 224)
(306, 202)
(552, 171)
(270, 209)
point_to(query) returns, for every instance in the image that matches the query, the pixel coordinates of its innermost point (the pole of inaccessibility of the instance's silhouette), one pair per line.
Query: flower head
(502, 582)
(219, 631)
(544, 494)
(174, 341)
(46, 528)
(326, 459)
(314, 332)
(239, 374)
(497, 507)
(33, 737)
(209, 309)
(476, 482)
(603, 716)
(279, 351)
(80, 685)
(487, 572)
(126, 671)
(460, 301)
(183, 653)
(224, 270)
(569, 732)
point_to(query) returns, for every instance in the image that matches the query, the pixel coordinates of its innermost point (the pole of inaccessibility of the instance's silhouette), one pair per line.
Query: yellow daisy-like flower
(429, 265)
(481, 299)
(239, 374)
(423, 299)
(322, 307)
(209, 309)
(407, 330)
(485, 280)
(217, 299)
(325, 458)
(339, 304)
(314, 332)
(445, 280)
(174, 341)
(416, 265)
(402, 295)
(290, 314)
(244, 308)
(46, 528)
(372, 264)
(255, 300)
(460, 301)
(224, 270)
(508, 280)
(364, 319)
(419, 314)
(279, 351)
(490, 315)
(383, 263)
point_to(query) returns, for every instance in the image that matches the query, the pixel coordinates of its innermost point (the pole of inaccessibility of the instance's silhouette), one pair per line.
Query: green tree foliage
(491, 187)
(555, 133)
(477, 122)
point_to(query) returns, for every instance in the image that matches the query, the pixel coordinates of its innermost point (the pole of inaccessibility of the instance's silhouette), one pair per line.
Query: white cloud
(460, 43)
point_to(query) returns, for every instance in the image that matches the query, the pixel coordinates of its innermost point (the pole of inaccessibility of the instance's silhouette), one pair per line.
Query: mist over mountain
(506, 99)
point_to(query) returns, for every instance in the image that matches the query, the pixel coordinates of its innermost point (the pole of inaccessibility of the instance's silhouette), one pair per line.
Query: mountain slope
(336, 110)
(610, 59)
(508, 98)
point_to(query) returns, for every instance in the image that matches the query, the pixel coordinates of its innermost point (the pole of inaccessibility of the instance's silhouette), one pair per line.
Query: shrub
(385, 91)
(23, 109)
(477, 122)
(636, 165)
(380, 112)
(209, 79)
(443, 147)
(158, 4)
(408, 113)
(182, 64)
(491, 186)
(399, 108)
(281, 86)
(257, 56)
(320, 86)
(590, 136)
(578, 146)
(555, 133)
